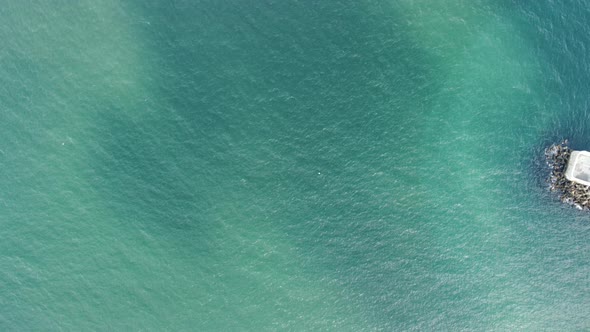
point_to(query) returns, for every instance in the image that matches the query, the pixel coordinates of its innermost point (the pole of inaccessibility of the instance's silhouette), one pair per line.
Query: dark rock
(571, 193)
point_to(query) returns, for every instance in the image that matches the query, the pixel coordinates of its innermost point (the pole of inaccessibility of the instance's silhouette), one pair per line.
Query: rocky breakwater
(575, 194)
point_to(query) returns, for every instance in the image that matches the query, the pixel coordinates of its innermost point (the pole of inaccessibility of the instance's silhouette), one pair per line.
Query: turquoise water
(290, 165)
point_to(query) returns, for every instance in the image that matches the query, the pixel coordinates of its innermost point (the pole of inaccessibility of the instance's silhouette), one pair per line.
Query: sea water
(291, 165)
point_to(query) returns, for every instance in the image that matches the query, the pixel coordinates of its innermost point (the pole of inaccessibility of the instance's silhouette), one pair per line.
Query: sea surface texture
(291, 165)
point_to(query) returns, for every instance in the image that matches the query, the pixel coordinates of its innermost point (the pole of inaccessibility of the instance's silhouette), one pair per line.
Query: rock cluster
(570, 192)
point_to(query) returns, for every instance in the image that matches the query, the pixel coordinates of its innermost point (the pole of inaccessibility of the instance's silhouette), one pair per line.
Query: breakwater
(575, 194)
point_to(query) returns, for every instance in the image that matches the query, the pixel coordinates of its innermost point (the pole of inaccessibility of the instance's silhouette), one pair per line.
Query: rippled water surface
(291, 165)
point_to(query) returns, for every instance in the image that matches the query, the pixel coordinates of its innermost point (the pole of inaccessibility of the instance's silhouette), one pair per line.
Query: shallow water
(247, 165)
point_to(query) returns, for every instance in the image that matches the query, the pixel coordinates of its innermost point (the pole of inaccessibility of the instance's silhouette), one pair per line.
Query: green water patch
(62, 257)
(480, 137)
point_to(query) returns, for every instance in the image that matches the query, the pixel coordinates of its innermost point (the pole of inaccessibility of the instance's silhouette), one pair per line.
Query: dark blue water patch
(557, 35)
(310, 108)
(306, 111)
